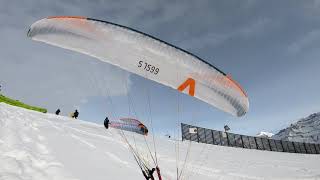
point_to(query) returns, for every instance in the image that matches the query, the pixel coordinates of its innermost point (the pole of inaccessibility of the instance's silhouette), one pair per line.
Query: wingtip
(229, 77)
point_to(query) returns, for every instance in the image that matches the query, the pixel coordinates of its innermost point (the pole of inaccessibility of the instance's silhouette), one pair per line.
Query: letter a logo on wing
(189, 82)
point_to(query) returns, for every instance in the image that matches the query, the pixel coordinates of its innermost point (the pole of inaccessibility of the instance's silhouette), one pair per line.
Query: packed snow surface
(305, 130)
(36, 146)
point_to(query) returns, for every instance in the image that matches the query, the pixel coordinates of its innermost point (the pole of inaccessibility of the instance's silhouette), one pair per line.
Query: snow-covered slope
(305, 130)
(264, 134)
(36, 146)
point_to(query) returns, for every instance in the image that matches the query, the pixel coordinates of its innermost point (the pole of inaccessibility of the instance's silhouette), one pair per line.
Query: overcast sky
(272, 48)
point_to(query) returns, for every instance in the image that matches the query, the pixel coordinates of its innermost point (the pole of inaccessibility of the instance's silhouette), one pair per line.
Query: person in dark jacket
(58, 112)
(226, 128)
(75, 114)
(106, 122)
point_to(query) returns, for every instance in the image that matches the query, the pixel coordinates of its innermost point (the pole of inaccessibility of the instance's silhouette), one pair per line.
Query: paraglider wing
(129, 124)
(130, 121)
(146, 56)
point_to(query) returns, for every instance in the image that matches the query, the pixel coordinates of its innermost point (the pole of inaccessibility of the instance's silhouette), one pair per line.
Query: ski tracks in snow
(24, 154)
(90, 136)
(85, 137)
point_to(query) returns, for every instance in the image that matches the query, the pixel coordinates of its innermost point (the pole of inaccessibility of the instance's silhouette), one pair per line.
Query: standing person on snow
(106, 122)
(58, 112)
(75, 114)
(226, 128)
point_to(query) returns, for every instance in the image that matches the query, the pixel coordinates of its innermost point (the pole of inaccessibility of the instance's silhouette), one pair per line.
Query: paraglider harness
(144, 167)
(143, 129)
(148, 174)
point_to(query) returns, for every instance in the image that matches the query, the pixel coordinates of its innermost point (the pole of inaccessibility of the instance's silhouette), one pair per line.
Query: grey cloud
(215, 39)
(311, 38)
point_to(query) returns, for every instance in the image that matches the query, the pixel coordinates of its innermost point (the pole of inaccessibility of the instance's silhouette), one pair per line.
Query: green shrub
(20, 104)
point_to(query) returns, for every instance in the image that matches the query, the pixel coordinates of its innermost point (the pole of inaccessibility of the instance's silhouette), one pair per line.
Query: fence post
(282, 145)
(182, 132)
(242, 141)
(198, 135)
(256, 142)
(269, 144)
(212, 137)
(205, 135)
(284, 150)
(304, 145)
(228, 141)
(295, 150)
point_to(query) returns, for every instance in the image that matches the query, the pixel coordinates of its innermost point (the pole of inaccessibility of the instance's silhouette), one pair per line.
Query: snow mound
(305, 130)
(37, 146)
(265, 134)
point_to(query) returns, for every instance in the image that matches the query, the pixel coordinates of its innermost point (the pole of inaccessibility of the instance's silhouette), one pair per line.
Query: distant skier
(58, 112)
(106, 122)
(75, 114)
